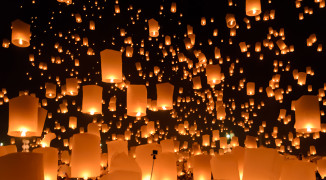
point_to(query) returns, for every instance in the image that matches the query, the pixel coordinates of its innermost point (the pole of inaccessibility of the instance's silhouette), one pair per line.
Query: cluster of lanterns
(198, 148)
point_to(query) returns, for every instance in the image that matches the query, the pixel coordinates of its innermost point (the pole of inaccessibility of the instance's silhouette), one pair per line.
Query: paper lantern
(4, 150)
(167, 146)
(24, 116)
(225, 167)
(85, 156)
(111, 66)
(213, 73)
(20, 33)
(173, 7)
(298, 170)
(307, 114)
(92, 128)
(321, 167)
(216, 135)
(206, 140)
(116, 147)
(196, 82)
(153, 28)
(302, 78)
(202, 167)
(144, 158)
(50, 162)
(164, 96)
(72, 122)
(259, 164)
(230, 21)
(121, 175)
(253, 7)
(50, 90)
(250, 142)
(129, 51)
(92, 99)
(136, 100)
(243, 47)
(22, 166)
(72, 86)
(165, 167)
(91, 25)
(223, 142)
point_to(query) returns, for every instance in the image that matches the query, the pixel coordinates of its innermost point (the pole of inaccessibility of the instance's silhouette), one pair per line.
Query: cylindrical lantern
(153, 28)
(92, 99)
(164, 96)
(230, 21)
(23, 116)
(202, 167)
(50, 90)
(253, 7)
(22, 166)
(213, 73)
(250, 88)
(85, 156)
(20, 33)
(206, 140)
(136, 100)
(307, 114)
(50, 162)
(111, 66)
(72, 86)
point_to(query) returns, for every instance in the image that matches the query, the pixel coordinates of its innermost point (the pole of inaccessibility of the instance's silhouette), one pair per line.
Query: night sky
(49, 18)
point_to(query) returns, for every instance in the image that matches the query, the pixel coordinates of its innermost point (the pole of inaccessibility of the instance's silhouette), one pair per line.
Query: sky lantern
(20, 33)
(213, 73)
(72, 122)
(24, 116)
(225, 167)
(250, 88)
(85, 156)
(125, 168)
(307, 114)
(201, 167)
(164, 96)
(92, 99)
(321, 167)
(253, 7)
(116, 147)
(230, 21)
(259, 163)
(196, 82)
(136, 100)
(91, 25)
(173, 7)
(50, 90)
(153, 28)
(18, 166)
(111, 66)
(206, 141)
(298, 170)
(144, 158)
(50, 162)
(72, 86)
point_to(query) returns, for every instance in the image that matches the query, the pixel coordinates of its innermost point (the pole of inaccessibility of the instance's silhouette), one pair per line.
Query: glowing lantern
(78, 18)
(202, 167)
(298, 170)
(321, 166)
(116, 147)
(50, 90)
(85, 156)
(213, 73)
(92, 99)
(20, 34)
(167, 146)
(136, 100)
(243, 46)
(72, 86)
(250, 88)
(173, 7)
(206, 140)
(72, 122)
(91, 25)
(25, 119)
(196, 82)
(153, 28)
(223, 142)
(165, 167)
(50, 162)
(111, 66)
(250, 142)
(302, 78)
(144, 158)
(253, 7)
(18, 166)
(129, 51)
(225, 167)
(165, 96)
(216, 135)
(307, 114)
(230, 21)
(4, 150)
